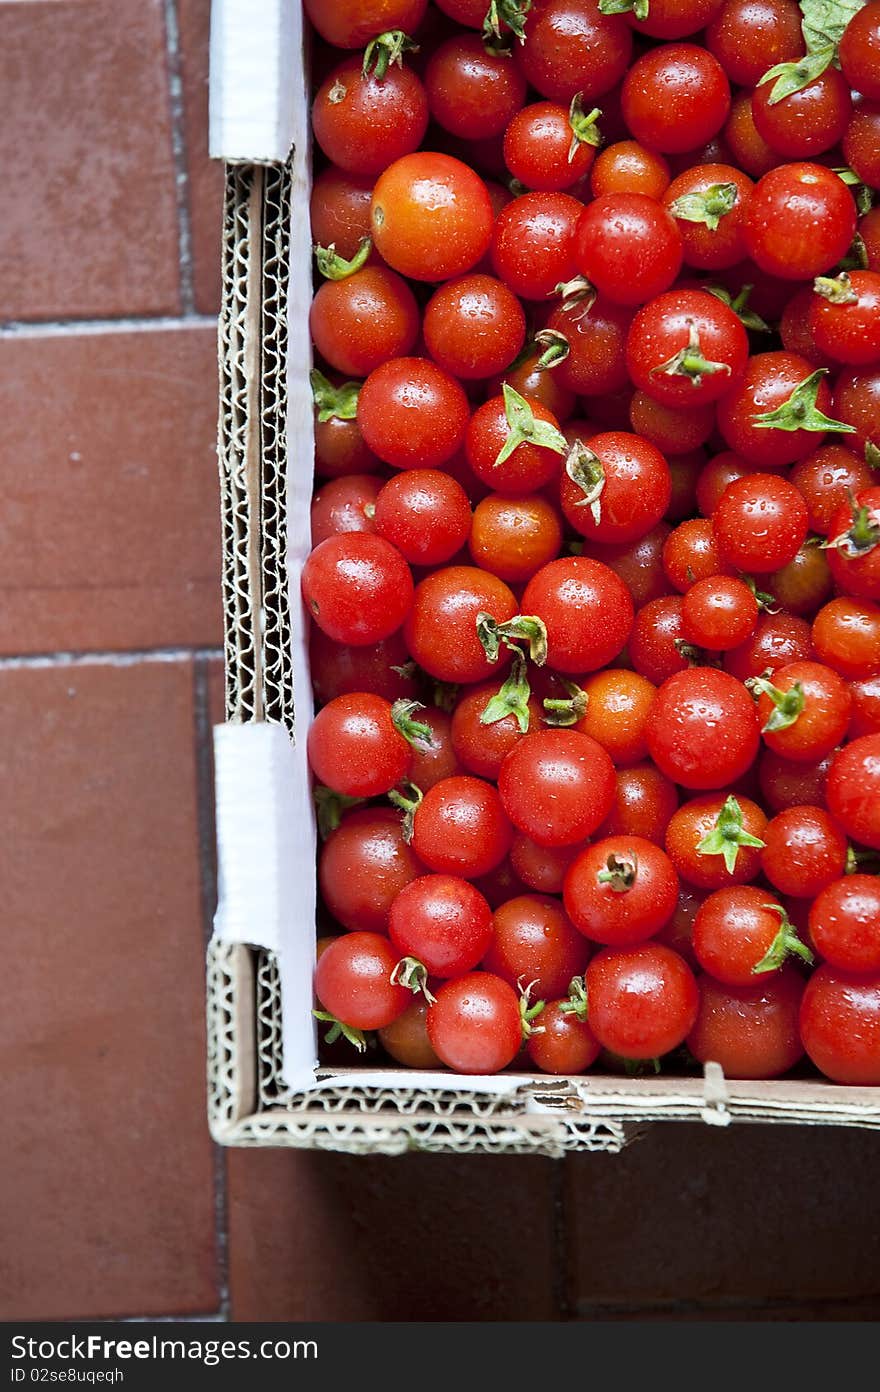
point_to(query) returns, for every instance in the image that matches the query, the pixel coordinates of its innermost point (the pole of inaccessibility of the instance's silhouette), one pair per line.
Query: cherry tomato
(854, 545)
(515, 537)
(353, 981)
(533, 243)
(806, 122)
(481, 745)
(615, 488)
(628, 246)
(845, 317)
(760, 522)
(853, 790)
(441, 627)
(542, 148)
(709, 203)
(675, 97)
(845, 924)
(563, 1043)
(861, 142)
(460, 827)
(644, 801)
(846, 636)
(425, 514)
(364, 123)
(355, 746)
(412, 414)
(535, 943)
(785, 783)
(587, 611)
(742, 932)
(803, 710)
(357, 588)
(751, 1031)
(627, 167)
(802, 585)
(857, 403)
(721, 470)
(514, 446)
(716, 840)
(777, 640)
(595, 339)
(719, 613)
(406, 1038)
(363, 865)
(801, 220)
(750, 36)
(638, 563)
(431, 216)
(359, 322)
(471, 92)
(338, 668)
(541, 868)
(747, 148)
(344, 504)
(352, 23)
(339, 210)
(691, 553)
(620, 890)
(825, 478)
(804, 851)
(859, 50)
(656, 643)
(702, 731)
(474, 326)
(443, 922)
(474, 1025)
(570, 47)
(840, 1026)
(678, 431)
(618, 702)
(643, 1000)
(557, 786)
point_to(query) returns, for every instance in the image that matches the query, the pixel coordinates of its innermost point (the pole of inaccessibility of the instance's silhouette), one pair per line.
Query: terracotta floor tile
(110, 530)
(107, 1204)
(89, 227)
(205, 175)
(322, 1236)
(751, 1214)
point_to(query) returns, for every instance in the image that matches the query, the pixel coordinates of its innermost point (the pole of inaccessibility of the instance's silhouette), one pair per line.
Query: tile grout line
(60, 328)
(208, 867)
(131, 658)
(178, 146)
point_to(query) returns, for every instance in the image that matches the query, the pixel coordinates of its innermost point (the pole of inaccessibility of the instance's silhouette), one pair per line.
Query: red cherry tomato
(804, 851)
(534, 942)
(443, 922)
(474, 1025)
(557, 786)
(570, 47)
(675, 97)
(628, 246)
(431, 216)
(800, 222)
(357, 588)
(441, 626)
(751, 1031)
(363, 866)
(425, 514)
(845, 924)
(562, 1043)
(363, 123)
(642, 1001)
(587, 611)
(355, 747)
(460, 827)
(412, 413)
(840, 1026)
(353, 981)
(702, 730)
(853, 790)
(621, 890)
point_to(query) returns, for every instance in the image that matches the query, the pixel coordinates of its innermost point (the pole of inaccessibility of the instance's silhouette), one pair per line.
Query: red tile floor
(113, 1201)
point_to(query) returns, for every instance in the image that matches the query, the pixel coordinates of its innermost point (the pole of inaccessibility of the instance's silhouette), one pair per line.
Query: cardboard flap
(256, 54)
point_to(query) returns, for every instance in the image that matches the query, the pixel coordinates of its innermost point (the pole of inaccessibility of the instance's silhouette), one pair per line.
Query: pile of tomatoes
(594, 589)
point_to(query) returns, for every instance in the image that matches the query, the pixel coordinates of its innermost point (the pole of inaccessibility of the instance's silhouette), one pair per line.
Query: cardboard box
(265, 1085)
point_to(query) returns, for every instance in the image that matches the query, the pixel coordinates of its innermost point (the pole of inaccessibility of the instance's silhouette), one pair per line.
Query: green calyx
(339, 1029)
(787, 705)
(338, 403)
(788, 78)
(690, 362)
(577, 294)
(836, 289)
(415, 732)
(620, 873)
(412, 974)
(445, 696)
(554, 346)
(692, 655)
(526, 628)
(765, 601)
(864, 197)
(585, 469)
(637, 8)
(800, 412)
(708, 206)
(329, 807)
(576, 1003)
(728, 835)
(386, 49)
(739, 304)
(511, 14)
(525, 428)
(860, 537)
(856, 259)
(584, 130)
(512, 698)
(529, 1012)
(409, 806)
(872, 455)
(335, 267)
(785, 944)
(564, 711)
